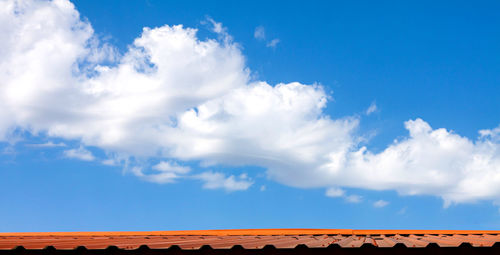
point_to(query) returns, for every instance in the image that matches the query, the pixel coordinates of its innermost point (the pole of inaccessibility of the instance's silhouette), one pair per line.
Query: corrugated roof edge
(229, 232)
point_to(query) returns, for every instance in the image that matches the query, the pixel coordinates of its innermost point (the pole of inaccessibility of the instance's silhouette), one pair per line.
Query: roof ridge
(279, 231)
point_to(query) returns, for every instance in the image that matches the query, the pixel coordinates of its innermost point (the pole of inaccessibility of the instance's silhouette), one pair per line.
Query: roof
(249, 239)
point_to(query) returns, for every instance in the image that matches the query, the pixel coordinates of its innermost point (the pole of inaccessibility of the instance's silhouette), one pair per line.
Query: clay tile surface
(249, 239)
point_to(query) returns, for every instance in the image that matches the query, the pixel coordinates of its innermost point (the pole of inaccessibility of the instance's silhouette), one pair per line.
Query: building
(253, 241)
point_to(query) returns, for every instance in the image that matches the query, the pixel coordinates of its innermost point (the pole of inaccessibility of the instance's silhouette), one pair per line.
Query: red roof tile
(249, 239)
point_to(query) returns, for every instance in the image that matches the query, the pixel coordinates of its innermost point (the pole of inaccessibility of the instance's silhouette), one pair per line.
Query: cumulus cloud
(214, 180)
(433, 162)
(172, 97)
(80, 153)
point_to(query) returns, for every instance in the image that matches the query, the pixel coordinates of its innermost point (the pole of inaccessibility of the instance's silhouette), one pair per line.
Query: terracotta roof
(249, 239)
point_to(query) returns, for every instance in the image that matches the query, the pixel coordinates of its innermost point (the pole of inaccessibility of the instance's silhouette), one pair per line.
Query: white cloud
(217, 26)
(273, 43)
(80, 153)
(371, 109)
(156, 176)
(431, 162)
(163, 172)
(109, 162)
(174, 97)
(380, 203)
(48, 144)
(263, 188)
(338, 192)
(162, 177)
(353, 199)
(335, 192)
(259, 33)
(214, 180)
(220, 30)
(8, 150)
(172, 167)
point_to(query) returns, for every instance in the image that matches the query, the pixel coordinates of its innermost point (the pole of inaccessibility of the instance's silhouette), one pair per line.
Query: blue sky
(268, 115)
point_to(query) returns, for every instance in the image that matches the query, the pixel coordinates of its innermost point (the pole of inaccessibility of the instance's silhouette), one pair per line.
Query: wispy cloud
(163, 172)
(81, 153)
(48, 144)
(214, 180)
(273, 43)
(260, 34)
(335, 192)
(338, 192)
(168, 166)
(110, 162)
(354, 199)
(371, 109)
(403, 210)
(380, 203)
(219, 29)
